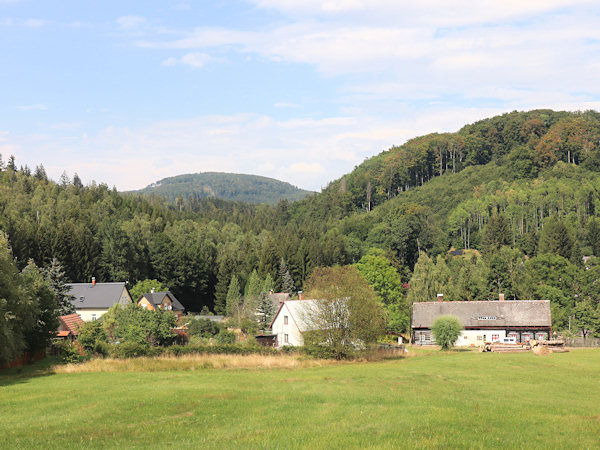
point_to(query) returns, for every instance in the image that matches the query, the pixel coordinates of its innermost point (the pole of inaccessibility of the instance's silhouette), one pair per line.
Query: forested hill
(520, 193)
(226, 186)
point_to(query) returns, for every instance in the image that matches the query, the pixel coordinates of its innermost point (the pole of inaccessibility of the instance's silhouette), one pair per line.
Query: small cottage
(163, 300)
(290, 321)
(68, 327)
(485, 321)
(92, 300)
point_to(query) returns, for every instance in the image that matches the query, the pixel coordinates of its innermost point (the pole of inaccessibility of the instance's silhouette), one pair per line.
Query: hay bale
(541, 350)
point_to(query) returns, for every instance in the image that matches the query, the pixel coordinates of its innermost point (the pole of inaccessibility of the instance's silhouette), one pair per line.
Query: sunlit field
(432, 399)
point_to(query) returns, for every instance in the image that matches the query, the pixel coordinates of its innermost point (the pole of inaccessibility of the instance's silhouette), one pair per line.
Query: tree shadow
(22, 374)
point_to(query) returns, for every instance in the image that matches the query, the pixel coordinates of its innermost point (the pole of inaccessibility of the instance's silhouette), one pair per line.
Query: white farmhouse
(290, 321)
(92, 300)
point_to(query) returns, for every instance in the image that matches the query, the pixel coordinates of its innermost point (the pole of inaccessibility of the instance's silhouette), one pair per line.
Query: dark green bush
(203, 327)
(225, 337)
(326, 352)
(69, 353)
(134, 350)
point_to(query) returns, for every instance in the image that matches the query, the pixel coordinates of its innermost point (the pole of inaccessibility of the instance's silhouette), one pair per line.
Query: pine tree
(55, 276)
(234, 298)
(265, 311)
(287, 284)
(268, 284)
(252, 293)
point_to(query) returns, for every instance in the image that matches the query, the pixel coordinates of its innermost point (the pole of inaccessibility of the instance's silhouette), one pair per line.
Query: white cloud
(131, 22)
(34, 23)
(36, 107)
(195, 60)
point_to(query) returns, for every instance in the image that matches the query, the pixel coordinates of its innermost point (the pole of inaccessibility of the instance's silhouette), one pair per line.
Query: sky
(130, 92)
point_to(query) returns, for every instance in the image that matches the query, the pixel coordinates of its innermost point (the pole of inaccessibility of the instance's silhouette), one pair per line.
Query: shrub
(249, 326)
(225, 337)
(91, 335)
(446, 330)
(203, 327)
(134, 350)
(69, 353)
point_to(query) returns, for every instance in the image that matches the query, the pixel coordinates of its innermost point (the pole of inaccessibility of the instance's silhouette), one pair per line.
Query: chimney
(300, 295)
(440, 297)
(93, 281)
(152, 291)
(501, 297)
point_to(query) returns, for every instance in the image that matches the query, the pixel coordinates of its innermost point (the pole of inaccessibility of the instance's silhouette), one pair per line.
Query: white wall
(475, 338)
(280, 328)
(88, 315)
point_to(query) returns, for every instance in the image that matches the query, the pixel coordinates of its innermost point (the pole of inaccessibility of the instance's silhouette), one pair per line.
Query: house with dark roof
(163, 300)
(485, 321)
(92, 300)
(69, 326)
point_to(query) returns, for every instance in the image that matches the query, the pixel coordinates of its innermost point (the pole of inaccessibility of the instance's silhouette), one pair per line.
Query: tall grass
(192, 362)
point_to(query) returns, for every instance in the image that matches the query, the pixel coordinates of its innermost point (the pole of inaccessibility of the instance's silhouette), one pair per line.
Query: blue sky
(130, 92)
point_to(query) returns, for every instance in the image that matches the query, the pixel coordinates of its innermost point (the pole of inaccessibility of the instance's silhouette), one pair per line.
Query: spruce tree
(234, 298)
(55, 276)
(266, 311)
(287, 284)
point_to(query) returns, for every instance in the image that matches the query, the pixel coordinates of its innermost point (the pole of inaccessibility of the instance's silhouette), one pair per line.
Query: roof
(299, 310)
(486, 313)
(70, 323)
(63, 333)
(156, 298)
(279, 297)
(98, 296)
(213, 318)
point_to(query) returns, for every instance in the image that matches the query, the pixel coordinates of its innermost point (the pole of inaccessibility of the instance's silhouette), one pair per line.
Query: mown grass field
(434, 399)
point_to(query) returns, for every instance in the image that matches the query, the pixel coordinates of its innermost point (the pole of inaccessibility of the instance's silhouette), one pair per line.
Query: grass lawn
(434, 399)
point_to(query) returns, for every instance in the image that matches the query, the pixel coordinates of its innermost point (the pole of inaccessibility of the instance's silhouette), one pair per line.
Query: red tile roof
(70, 322)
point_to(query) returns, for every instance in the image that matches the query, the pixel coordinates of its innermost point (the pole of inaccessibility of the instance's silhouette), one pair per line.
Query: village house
(290, 321)
(92, 300)
(485, 321)
(163, 300)
(68, 327)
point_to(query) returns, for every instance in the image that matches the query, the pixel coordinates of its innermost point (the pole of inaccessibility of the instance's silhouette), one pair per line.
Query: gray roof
(507, 313)
(216, 319)
(156, 298)
(98, 296)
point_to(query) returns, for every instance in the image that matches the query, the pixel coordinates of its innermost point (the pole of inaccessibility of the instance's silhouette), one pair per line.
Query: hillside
(225, 186)
(520, 190)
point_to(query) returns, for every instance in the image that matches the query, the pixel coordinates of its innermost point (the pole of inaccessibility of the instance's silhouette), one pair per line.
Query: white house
(291, 320)
(485, 321)
(92, 300)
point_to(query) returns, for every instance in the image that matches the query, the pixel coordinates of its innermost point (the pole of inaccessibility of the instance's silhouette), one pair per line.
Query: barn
(485, 321)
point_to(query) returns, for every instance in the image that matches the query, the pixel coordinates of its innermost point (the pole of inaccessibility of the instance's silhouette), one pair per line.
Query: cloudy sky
(129, 92)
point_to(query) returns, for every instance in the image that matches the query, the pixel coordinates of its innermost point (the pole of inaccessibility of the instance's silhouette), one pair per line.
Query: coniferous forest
(509, 204)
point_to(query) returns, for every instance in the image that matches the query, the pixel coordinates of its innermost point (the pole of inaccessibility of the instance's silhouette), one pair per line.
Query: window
(495, 337)
(285, 320)
(480, 337)
(93, 316)
(487, 318)
(286, 338)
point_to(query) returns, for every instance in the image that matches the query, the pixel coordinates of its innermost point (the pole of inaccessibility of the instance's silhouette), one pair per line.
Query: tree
(265, 311)
(287, 284)
(556, 238)
(146, 286)
(497, 233)
(55, 276)
(586, 318)
(347, 312)
(252, 293)
(205, 328)
(386, 281)
(233, 301)
(132, 323)
(446, 330)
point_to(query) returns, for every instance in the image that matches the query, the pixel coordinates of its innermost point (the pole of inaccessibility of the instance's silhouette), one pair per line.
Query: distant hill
(226, 186)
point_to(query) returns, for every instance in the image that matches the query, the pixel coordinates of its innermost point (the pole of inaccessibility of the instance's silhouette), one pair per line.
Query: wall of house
(281, 329)
(125, 297)
(146, 304)
(474, 338)
(88, 315)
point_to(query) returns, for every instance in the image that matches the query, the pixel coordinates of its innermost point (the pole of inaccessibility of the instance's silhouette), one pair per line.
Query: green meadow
(432, 399)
